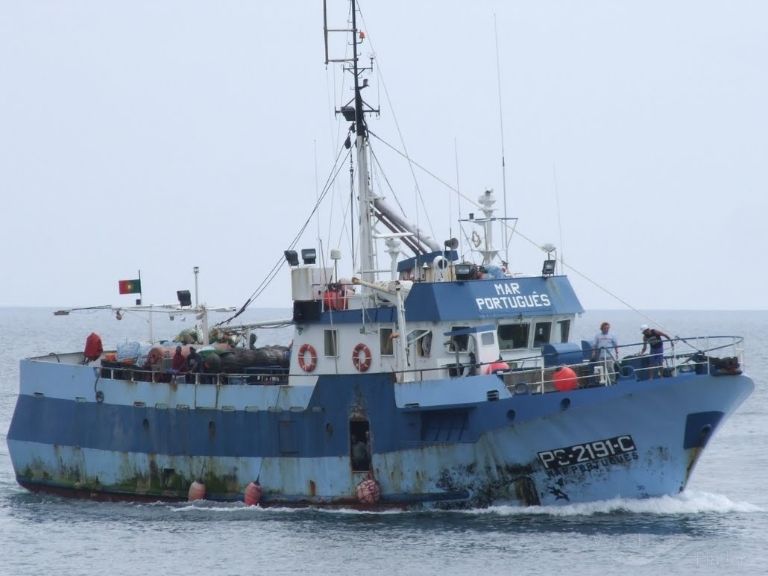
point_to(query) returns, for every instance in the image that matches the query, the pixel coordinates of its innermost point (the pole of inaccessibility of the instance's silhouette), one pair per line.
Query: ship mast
(367, 259)
(354, 111)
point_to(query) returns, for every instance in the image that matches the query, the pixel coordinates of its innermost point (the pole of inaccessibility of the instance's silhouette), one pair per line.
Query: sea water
(719, 525)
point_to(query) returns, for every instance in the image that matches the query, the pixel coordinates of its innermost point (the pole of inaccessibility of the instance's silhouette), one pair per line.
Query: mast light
(349, 113)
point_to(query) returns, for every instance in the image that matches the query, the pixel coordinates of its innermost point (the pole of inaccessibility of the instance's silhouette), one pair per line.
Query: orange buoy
(498, 366)
(565, 379)
(368, 491)
(252, 494)
(196, 491)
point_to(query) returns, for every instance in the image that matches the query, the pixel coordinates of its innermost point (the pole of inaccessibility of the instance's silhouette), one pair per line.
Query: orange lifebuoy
(307, 366)
(364, 363)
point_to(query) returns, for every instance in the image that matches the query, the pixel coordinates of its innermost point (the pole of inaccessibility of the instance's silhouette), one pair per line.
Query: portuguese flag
(130, 286)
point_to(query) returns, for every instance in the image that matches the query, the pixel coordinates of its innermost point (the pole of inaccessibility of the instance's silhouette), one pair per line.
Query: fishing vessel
(440, 381)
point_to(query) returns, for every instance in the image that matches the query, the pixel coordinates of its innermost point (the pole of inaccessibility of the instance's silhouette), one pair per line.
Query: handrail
(674, 362)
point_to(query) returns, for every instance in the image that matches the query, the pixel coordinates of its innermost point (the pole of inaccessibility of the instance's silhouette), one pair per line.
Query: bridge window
(541, 334)
(565, 329)
(513, 336)
(459, 342)
(487, 339)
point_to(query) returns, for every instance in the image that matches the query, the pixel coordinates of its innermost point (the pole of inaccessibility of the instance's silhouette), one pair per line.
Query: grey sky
(162, 135)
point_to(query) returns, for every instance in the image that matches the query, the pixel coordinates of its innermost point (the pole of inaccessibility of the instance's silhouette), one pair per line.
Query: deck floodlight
(348, 112)
(291, 257)
(463, 271)
(185, 297)
(309, 255)
(549, 267)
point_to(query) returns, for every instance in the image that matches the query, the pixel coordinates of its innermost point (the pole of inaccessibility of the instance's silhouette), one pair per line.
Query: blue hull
(146, 440)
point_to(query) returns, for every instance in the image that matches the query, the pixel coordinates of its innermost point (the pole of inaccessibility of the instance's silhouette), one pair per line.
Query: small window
(425, 344)
(423, 341)
(541, 334)
(330, 343)
(565, 329)
(513, 336)
(459, 342)
(487, 339)
(385, 342)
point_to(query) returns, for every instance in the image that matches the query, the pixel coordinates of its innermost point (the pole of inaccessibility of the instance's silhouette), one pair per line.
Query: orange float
(252, 494)
(565, 379)
(196, 491)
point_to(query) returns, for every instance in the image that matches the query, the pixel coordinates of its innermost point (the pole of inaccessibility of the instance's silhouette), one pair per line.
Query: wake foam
(690, 502)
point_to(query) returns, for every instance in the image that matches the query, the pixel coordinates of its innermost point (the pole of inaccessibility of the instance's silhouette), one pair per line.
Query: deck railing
(695, 355)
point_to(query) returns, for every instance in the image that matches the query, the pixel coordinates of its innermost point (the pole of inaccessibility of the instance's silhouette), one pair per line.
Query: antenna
(559, 219)
(325, 30)
(505, 239)
(458, 185)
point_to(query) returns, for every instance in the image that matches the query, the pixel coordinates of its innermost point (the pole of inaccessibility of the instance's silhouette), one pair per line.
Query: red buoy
(368, 491)
(196, 491)
(252, 494)
(93, 347)
(565, 379)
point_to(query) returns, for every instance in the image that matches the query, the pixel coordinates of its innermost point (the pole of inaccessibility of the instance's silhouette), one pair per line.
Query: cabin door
(360, 445)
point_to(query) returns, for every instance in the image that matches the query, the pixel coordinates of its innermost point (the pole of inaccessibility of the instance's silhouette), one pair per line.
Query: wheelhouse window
(565, 330)
(513, 336)
(487, 339)
(541, 334)
(460, 342)
(330, 342)
(385, 342)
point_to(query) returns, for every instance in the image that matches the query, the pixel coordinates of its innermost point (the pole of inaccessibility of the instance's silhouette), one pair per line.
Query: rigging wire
(517, 232)
(423, 169)
(337, 166)
(386, 180)
(411, 163)
(380, 74)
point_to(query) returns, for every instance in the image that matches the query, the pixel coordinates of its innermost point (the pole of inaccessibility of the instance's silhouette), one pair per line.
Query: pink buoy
(252, 494)
(565, 379)
(196, 491)
(368, 491)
